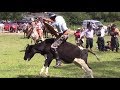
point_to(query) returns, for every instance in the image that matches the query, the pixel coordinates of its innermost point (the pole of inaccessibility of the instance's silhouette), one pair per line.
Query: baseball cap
(52, 15)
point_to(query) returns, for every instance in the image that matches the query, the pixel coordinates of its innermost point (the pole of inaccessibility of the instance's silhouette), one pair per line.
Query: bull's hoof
(40, 74)
(44, 75)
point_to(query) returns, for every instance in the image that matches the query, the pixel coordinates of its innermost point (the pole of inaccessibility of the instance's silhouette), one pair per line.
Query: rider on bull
(60, 24)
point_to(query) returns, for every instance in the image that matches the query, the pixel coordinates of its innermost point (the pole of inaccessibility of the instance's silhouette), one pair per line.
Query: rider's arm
(83, 34)
(117, 30)
(47, 20)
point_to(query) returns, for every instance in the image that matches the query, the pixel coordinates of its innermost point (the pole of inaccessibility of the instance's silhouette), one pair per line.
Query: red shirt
(77, 34)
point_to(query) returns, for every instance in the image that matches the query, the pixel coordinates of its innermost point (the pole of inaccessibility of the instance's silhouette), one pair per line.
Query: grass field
(12, 64)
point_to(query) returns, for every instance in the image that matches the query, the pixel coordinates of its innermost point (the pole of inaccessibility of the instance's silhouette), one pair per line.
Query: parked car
(6, 26)
(10, 26)
(23, 21)
(95, 23)
(14, 27)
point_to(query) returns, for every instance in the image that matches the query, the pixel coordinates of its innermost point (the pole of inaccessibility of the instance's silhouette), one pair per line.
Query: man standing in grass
(100, 40)
(114, 37)
(88, 33)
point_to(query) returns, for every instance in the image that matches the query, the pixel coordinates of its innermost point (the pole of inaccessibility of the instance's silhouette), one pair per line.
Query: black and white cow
(68, 52)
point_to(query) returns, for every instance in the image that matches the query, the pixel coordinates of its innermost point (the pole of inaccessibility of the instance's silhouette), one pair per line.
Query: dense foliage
(11, 15)
(73, 18)
(78, 17)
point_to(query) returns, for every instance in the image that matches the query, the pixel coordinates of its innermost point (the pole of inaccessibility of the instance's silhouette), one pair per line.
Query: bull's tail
(94, 54)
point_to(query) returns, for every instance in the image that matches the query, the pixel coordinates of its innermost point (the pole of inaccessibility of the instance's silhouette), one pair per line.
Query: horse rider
(60, 24)
(39, 29)
(31, 26)
(36, 32)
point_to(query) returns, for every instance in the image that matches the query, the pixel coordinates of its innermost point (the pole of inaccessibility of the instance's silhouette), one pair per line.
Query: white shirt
(59, 19)
(60, 24)
(88, 33)
(102, 32)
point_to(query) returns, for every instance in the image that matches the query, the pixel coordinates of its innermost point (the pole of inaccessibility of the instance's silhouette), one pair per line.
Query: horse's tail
(94, 54)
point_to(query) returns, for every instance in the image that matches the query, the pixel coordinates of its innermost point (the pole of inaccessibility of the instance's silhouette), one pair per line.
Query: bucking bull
(68, 53)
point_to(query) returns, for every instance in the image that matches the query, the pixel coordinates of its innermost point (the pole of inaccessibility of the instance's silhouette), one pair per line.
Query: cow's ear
(27, 44)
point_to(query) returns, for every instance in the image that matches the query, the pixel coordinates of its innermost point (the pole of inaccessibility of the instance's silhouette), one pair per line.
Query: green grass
(12, 64)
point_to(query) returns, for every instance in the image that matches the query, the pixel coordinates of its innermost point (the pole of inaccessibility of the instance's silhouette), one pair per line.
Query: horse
(25, 29)
(32, 33)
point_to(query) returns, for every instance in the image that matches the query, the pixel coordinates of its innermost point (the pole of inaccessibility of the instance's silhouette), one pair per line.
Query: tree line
(11, 15)
(72, 18)
(78, 17)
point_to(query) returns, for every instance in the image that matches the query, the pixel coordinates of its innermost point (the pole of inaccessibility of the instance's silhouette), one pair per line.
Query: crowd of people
(88, 33)
(81, 34)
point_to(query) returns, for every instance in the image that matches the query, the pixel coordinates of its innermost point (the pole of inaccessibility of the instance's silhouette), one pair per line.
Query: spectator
(88, 33)
(108, 46)
(114, 37)
(78, 41)
(100, 40)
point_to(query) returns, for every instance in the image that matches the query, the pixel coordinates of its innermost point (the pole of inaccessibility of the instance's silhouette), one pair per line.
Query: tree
(11, 15)
(75, 17)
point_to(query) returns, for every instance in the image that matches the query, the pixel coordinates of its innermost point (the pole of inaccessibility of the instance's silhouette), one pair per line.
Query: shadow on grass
(6, 54)
(103, 69)
(118, 58)
(36, 76)
(23, 37)
(106, 69)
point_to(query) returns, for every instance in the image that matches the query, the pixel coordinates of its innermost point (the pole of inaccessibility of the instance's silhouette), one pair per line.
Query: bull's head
(29, 52)
(43, 47)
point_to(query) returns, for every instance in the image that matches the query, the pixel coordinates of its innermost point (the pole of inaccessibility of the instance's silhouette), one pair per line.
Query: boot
(58, 61)
(58, 64)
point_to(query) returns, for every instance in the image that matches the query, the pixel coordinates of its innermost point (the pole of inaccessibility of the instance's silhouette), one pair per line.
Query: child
(78, 41)
(108, 46)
